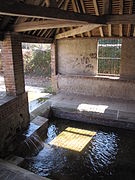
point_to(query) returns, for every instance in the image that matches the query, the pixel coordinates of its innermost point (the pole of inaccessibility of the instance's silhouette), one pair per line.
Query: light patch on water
(73, 138)
(92, 108)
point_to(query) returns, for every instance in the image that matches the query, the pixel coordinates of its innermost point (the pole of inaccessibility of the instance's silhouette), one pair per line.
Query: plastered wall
(77, 56)
(76, 73)
(127, 69)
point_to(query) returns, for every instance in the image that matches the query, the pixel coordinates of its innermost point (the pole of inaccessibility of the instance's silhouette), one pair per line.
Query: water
(110, 154)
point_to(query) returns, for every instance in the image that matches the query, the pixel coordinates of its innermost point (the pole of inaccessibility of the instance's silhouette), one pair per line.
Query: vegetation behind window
(37, 59)
(109, 55)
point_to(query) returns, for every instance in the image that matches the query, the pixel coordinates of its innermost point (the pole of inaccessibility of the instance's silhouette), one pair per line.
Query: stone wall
(77, 67)
(127, 69)
(14, 116)
(97, 86)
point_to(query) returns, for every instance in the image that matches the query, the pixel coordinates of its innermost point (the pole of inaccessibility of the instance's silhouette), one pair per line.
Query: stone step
(35, 135)
(13, 172)
(16, 160)
(39, 126)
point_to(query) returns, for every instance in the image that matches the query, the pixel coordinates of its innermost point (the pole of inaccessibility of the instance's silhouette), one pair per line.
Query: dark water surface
(109, 155)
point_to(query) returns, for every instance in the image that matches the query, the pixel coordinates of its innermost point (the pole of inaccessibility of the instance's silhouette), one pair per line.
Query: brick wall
(13, 64)
(14, 116)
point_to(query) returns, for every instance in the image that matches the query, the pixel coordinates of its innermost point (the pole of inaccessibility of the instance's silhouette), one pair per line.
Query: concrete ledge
(43, 110)
(108, 112)
(13, 172)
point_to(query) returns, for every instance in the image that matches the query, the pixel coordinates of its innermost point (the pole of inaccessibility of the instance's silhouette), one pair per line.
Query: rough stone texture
(14, 116)
(77, 56)
(97, 86)
(102, 111)
(13, 65)
(12, 172)
(127, 69)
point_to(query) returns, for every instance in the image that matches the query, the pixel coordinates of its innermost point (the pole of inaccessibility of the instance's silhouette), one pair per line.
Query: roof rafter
(84, 11)
(107, 10)
(130, 12)
(121, 12)
(76, 9)
(48, 24)
(78, 30)
(97, 13)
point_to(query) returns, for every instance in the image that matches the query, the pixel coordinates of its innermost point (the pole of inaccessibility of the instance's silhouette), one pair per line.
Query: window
(109, 55)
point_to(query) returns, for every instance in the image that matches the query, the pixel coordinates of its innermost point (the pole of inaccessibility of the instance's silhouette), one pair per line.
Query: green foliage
(37, 62)
(108, 66)
(109, 54)
(48, 90)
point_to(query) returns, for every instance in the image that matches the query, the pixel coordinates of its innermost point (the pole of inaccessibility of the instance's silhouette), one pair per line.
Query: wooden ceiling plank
(107, 6)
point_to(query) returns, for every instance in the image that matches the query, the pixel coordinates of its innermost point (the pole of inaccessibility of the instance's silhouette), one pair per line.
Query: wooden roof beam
(76, 9)
(48, 24)
(76, 31)
(13, 8)
(84, 11)
(107, 10)
(97, 13)
(120, 19)
(130, 12)
(51, 3)
(121, 12)
(33, 39)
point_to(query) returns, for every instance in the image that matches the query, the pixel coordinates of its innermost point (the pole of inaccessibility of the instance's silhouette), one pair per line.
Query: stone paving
(12, 172)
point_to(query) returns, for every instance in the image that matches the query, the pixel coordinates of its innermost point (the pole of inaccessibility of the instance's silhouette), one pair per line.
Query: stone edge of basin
(124, 120)
(17, 172)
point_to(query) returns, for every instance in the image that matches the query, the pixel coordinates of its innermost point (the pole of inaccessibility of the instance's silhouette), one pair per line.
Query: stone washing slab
(109, 112)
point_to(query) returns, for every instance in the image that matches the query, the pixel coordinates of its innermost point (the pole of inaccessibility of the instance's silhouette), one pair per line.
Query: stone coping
(6, 99)
(13, 172)
(98, 77)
